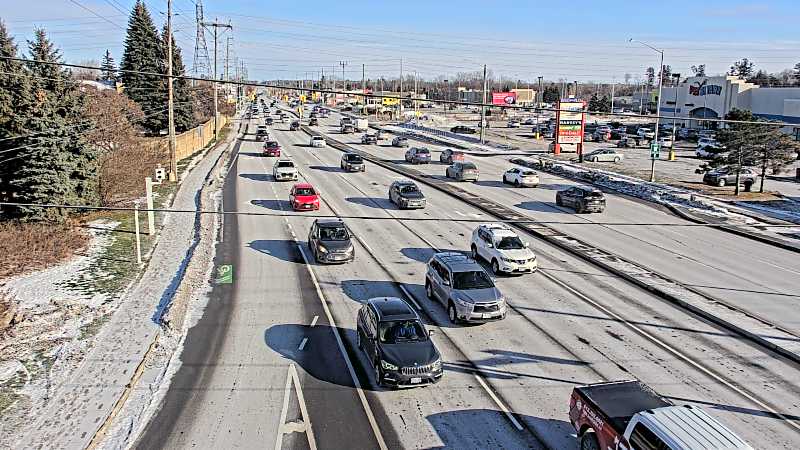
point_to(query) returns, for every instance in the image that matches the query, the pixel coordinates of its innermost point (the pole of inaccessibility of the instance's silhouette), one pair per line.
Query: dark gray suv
(406, 195)
(397, 344)
(464, 288)
(330, 241)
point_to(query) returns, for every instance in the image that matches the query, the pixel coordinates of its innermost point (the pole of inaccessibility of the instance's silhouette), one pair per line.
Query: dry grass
(31, 246)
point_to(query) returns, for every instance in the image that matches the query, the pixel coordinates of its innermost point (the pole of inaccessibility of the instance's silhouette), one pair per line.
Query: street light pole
(658, 105)
(677, 77)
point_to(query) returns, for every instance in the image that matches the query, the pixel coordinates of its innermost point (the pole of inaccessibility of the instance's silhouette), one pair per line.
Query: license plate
(307, 206)
(486, 315)
(416, 380)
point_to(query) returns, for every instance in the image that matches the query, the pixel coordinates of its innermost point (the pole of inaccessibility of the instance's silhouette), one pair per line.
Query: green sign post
(225, 274)
(654, 150)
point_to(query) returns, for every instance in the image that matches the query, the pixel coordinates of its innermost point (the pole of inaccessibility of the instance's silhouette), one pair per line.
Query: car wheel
(579, 208)
(616, 159)
(474, 252)
(516, 183)
(495, 267)
(721, 182)
(558, 201)
(428, 289)
(589, 442)
(451, 313)
(378, 374)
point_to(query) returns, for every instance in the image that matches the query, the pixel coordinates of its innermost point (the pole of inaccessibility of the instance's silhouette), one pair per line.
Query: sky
(578, 40)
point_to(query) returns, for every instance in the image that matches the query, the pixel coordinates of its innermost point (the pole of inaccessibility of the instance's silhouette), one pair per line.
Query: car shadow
(468, 428)
(255, 154)
(554, 186)
(256, 176)
(285, 250)
(541, 206)
(423, 254)
(372, 202)
(363, 290)
(275, 205)
(492, 183)
(333, 169)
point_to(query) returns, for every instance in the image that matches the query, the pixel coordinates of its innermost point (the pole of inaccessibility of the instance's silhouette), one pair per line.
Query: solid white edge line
(367, 410)
(499, 403)
(314, 321)
(410, 297)
(279, 438)
(303, 344)
(312, 442)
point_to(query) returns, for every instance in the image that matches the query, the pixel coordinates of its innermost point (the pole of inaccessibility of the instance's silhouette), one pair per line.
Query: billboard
(570, 121)
(504, 98)
(387, 101)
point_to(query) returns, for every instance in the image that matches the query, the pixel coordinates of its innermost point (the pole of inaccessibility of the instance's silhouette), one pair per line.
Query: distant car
(603, 155)
(464, 288)
(262, 133)
(313, 115)
(367, 138)
(521, 177)
(582, 199)
(726, 176)
(501, 247)
(463, 129)
(513, 124)
(304, 197)
(462, 171)
(628, 141)
(347, 129)
(269, 121)
(284, 170)
(294, 126)
(399, 141)
(330, 241)
(272, 148)
(665, 141)
(352, 162)
(396, 343)
(406, 195)
(646, 133)
(313, 122)
(449, 156)
(529, 121)
(317, 141)
(418, 155)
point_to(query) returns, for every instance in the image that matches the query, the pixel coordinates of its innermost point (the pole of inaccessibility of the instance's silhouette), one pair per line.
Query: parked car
(397, 344)
(284, 170)
(462, 171)
(629, 141)
(399, 141)
(461, 285)
(406, 195)
(330, 241)
(604, 155)
(294, 126)
(367, 139)
(646, 133)
(463, 129)
(513, 123)
(352, 162)
(521, 177)
(317, 141)
(501, 247)
(726, 176)
(272, 148)
(582, 199)
(304, 197)
(449, 156)
(631, 415)
(418, 155)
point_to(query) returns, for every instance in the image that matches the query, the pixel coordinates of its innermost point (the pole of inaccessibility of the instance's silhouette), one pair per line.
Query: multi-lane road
(273, 361)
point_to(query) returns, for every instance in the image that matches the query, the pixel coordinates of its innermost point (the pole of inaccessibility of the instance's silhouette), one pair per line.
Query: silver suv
(461, 284)
(462, 171)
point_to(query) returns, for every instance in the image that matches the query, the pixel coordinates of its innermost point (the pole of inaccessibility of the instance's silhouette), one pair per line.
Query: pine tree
(57, 164)
(183, 96)
(15, 94)
(108, 69)
(143, 53)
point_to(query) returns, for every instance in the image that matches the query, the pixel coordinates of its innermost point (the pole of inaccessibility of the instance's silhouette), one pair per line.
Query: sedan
(303, 197)
(604, 155)
(399, 141)
(463, 129)
(331, 241)
(272, 148)
(521, 177)
(462, 171)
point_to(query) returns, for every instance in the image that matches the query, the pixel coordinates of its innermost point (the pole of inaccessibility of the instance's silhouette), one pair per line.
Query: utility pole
(576, 88)
(416, 112)
(344, 86)
(227, 57)
(677, 77)
(364, 85)
(173, 156)
(613, 84)
(400, 110)
(216, 26)
(540, 95)
(483, 106)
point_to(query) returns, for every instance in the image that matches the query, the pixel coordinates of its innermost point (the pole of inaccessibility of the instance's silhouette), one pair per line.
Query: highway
(507, 383)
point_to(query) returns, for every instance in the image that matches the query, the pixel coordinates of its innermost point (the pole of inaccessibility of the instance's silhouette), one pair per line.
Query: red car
(304, 197)
(272, 148)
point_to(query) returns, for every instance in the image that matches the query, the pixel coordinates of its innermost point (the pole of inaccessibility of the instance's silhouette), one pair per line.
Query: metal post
(483, 106)
(576, 88)
(677, 77)
(400, 110)
(764, 170)
(540, 95)
(136, 230)
(216, 102)
(173, 157)
(613, 84)
(658, 113)
(148, 189)
(416, 111)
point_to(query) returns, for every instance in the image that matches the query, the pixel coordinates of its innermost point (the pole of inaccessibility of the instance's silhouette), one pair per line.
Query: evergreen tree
(57, 164)
(551, 94)
(744, 68)
(108, 69)
(15, 95)
(181, 88)
(143, 53)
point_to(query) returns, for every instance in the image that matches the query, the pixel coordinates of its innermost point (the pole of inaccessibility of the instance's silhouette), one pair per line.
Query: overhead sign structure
(570, 119)
(504, 98)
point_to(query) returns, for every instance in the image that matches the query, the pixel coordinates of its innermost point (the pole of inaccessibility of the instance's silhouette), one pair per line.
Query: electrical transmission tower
(202, 64)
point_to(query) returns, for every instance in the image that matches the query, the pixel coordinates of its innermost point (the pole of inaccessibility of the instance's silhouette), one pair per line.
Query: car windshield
(510, 243)
(333, 234)
(594, 194)
(468, 166)
(272, 144)
(305, 191)
(285, 164)
(476, 279)
(401, 331)
(423, 151)
(409, 189)
(352, 158)
(528, 173)
(317, 138)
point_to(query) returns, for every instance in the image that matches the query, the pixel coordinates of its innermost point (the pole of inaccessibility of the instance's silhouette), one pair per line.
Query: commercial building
(713, 97)
(525, 97)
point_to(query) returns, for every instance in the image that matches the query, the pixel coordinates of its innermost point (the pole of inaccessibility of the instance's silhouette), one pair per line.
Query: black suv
(406, 195)
(397, 344)
(330, 241)
(582, 199)
(463, 129)
(294, 126)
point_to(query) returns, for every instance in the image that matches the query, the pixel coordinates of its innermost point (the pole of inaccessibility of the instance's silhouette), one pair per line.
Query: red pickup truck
(628, 415)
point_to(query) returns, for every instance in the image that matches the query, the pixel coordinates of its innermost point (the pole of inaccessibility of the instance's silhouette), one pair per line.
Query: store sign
(504, 98)
(570, 122)
(705, 89)
(388, 101)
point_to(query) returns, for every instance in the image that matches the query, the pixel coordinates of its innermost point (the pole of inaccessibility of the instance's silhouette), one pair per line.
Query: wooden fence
(189, 142)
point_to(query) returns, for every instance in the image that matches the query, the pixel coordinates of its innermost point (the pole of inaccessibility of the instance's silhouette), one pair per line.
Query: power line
(98, 15)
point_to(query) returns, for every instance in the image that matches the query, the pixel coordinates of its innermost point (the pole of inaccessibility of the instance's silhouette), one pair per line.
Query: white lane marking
(303, 343)
(314, 321)
(499, 403)
(370, 416)
(410, 297)
(292, 427)
(459, 213)
(779, 267)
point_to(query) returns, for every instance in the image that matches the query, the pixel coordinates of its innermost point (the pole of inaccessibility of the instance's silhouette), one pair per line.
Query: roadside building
(525, 97)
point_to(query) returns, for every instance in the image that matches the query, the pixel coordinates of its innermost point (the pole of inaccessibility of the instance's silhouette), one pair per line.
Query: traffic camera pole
(173, 158)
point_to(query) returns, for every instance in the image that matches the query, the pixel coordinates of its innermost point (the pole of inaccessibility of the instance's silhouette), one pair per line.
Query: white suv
(284, 170)
(499, 245)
